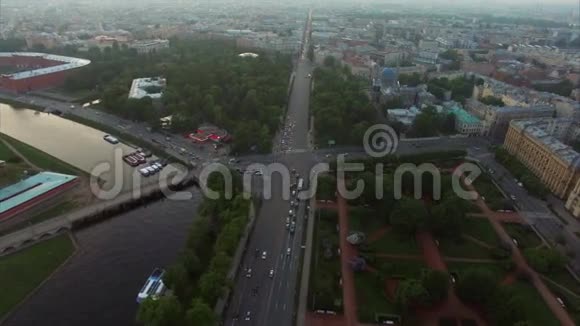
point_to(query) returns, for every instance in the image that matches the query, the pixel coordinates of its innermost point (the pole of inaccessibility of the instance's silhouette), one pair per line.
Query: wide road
(270, 298)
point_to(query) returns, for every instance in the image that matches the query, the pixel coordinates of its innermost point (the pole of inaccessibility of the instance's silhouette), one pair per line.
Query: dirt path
(314, 319)
(348, 252)
(32, 165)
(452, 307)
(522, 265)
(378, 234)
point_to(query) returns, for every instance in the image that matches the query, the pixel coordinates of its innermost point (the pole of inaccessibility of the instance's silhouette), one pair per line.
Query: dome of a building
(389, 74)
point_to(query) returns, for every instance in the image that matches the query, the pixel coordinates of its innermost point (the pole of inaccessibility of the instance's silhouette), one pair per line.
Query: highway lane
(270, 300)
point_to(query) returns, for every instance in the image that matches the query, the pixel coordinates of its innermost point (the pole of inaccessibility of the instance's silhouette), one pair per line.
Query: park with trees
(341, 108)
(395, 273)
(461, 88)
(207, 82)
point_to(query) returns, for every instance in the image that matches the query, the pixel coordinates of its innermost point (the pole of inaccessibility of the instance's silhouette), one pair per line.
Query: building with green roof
(465, 122)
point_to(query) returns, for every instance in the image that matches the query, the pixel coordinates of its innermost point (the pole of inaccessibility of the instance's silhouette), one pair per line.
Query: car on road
(521, 185)
(271, 273)
(291, 212)
(288, 252)
(292, 227)
(249, 273)
(309, 76)
(513, 197)
(515, 241)
(561, 302)
(264, 255)
(287, 222)
(248, 316)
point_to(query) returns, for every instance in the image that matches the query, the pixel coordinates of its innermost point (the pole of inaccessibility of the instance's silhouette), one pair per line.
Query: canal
(81, 146)
(99, 284)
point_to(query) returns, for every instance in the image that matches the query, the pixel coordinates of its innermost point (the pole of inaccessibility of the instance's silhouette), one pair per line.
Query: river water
(99, 284)
(79, 145)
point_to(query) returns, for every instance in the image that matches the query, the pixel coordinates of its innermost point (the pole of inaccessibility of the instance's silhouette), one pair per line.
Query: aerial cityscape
(271, 163)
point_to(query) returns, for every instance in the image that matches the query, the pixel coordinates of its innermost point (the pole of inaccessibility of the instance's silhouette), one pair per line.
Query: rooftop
(536, 128)
(27, 189)
(464, 116)
(67, 64)
(140, 85)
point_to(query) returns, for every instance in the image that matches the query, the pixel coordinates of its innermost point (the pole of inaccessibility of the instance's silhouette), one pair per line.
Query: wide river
(79, 145)
(98, 286)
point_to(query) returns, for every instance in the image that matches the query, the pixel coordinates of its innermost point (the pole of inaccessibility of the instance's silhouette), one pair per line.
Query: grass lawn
(14, 168)
(459, 268)
(566, 280)
(12, 173)
(371, 297)
(487, 189)
(463, 248)
(526, 237)
(535, 308)
(400, 268)
(481, 229)
(394, 243)
(56, 210)
(42, 159)
(5, 153)
(21, 272)
(324, 289)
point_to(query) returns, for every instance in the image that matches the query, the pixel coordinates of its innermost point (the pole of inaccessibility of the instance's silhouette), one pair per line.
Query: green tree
(477, 286)
(436, 283)
(426, 124)
(326, 187)
(200, 314)
(409, 216)
(545, 260)
(165, 311)
(330, 61)
(448, 216)
(507, 306)
(211, 285)
(179, 281)
(410, 293)
(493, 101)
(410, 79)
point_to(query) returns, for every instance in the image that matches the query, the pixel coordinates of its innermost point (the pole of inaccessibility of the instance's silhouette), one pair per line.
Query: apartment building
(495, 120)
(535, 143)
(466, 123)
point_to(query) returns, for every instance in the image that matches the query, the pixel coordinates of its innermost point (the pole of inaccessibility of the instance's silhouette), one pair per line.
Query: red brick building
(36, 70)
